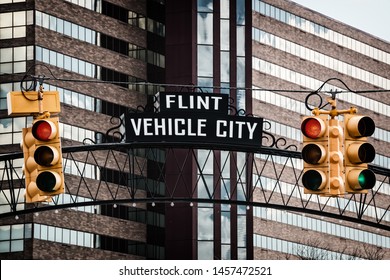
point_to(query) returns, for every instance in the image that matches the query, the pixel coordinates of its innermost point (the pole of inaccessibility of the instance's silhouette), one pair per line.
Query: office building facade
(267, 55)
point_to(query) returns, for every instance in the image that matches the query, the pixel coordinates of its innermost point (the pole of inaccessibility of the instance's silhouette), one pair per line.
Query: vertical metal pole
(40, 98)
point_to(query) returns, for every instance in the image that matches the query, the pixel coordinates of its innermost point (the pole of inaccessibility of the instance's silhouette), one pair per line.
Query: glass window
(67, 62)
(45, 20)
(19, 18)
(75, 30)
(240, 12)
(60, 60)
(225, 227)
(6, 20)
(5, 232)
(225, 9)
(53, 58)
(6, 55)
(60, 25)
(88, 37)
(205, 250)
(225, 252)
(205, 28)
(205, 224)
(75, 65)
(53, 23)
(225, 38)
(205, 5)
(67, 28)
(225, 66)
(241, 40)
(81, 33)
(205, 61)
(19, 32)
(45, 55)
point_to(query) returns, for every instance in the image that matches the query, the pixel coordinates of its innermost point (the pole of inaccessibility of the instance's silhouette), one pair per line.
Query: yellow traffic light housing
(314, 154)
(41, 144)
(48, 156)
(358, 152)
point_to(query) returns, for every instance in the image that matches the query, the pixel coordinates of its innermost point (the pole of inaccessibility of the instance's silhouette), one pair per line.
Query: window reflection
(318, 225)
(205, 28)
(321, 31)
(11, 129)
(205, 5)
(240, 12)
(225, 227)
(12, 237)
(205, 223)
(13, 60)
(205, 250)
(309, 82)
(319, 58)
(205, 61)
(241, 40)
(225, 252)
(13, 24)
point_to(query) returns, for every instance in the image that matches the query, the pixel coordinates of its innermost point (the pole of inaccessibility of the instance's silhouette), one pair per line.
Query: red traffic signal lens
(313, 128)
(44, 130)
(313, 180)
(313, 154)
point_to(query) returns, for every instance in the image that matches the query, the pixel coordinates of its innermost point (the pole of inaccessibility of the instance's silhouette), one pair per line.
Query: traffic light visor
(361, 179)
(44, 130)
(360, 126)
(313, 127)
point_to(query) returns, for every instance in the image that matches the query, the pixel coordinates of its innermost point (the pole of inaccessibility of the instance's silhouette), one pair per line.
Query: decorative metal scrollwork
(278, 143)
(234, 111)
(112, 135)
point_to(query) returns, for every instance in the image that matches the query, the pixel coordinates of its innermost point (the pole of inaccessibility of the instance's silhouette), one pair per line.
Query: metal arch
(130, 183)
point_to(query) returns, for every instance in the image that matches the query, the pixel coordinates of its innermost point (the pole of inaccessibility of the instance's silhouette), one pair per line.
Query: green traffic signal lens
(313, 180)
(48, 181)
(367, 179)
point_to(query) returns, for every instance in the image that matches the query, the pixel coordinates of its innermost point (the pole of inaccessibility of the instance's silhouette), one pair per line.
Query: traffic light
(43, 161)
(48, 156)
(358, 178)
(315, 155)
